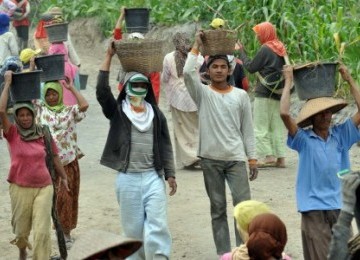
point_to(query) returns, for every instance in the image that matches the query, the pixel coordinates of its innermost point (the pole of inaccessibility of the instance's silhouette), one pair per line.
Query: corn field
(312, 30)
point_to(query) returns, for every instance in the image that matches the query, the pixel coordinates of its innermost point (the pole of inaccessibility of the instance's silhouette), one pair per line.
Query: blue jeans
(143, 210)
(215, 173)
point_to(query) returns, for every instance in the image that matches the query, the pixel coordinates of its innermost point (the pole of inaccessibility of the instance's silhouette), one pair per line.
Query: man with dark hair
(226, 139)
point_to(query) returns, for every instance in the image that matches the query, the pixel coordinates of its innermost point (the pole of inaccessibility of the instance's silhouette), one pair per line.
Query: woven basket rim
(55, 24)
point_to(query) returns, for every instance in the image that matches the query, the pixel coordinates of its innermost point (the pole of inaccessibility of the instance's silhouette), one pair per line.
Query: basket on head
(144, 56)
(218, 42)
(137, 20)
(316, 79)
(83, 81)
(53, 67)
(25, 86)
(57, 32)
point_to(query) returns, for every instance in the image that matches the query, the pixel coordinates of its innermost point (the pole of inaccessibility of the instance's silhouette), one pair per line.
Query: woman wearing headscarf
(267, 237)
(183, 109)
(267, 64)
(31, 187)
(71, 73)
(62, 121)
(22, 22)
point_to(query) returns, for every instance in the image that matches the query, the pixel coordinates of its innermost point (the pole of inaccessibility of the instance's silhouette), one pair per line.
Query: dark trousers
(23, 36)
(215, 174)
(316, 226)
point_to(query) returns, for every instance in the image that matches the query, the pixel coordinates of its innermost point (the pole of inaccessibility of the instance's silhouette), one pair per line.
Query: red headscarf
(40, 31)
(266, 33)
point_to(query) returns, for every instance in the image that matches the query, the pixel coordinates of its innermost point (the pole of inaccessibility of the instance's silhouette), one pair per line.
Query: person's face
(219, 71)
(24, 117)
(322, 120)
(51, 97)
(141, 85)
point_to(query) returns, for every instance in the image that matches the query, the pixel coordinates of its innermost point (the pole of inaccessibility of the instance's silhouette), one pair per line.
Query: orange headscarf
(266, 33)
(40, 31)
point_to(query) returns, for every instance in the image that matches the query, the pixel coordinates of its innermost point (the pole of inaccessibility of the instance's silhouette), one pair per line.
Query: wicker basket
(143, 56)
(218, 42)
(316, 79)
(57, 32)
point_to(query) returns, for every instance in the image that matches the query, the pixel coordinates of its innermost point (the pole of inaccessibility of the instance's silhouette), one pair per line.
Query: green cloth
(56, 86)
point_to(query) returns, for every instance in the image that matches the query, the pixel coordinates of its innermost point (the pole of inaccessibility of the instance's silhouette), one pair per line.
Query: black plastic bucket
(53, 67)
(57, 32)
(315, 80)
(25, 86)
(137, 20)
(83, 81)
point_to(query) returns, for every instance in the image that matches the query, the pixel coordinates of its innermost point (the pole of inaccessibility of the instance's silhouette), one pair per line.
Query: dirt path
(189, 215)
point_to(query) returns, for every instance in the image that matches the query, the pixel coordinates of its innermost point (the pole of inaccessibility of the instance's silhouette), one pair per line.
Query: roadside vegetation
(313, 30)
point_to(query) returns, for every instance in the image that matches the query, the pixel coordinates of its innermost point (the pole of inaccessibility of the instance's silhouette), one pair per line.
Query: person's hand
(288, 73)
(32, 64)
(8, 77)
(238, 46)
(350, 183)
(345, 74)
(65, 184)
(198, 38)
(111, 48)
(253, 172)
(172, 185)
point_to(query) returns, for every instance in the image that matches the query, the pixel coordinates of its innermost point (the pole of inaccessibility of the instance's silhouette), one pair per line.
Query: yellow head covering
(27, 54)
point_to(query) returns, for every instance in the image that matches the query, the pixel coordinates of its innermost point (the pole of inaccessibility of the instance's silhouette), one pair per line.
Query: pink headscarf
(266, 33)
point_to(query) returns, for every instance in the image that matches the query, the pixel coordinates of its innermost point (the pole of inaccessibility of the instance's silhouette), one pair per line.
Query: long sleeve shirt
(225, 119)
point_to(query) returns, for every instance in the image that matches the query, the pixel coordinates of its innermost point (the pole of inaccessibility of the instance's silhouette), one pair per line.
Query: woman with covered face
(31, 188)
(62, 121)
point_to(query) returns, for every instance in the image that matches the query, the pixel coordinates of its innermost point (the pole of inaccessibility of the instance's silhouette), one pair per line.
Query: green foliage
(311, 29)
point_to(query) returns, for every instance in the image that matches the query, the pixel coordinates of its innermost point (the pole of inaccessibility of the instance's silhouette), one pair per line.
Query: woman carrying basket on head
(267, 64)
(31, 188)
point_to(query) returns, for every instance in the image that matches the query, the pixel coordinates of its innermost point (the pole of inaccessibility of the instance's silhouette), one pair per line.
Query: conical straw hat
(317, 105)
(95, 242)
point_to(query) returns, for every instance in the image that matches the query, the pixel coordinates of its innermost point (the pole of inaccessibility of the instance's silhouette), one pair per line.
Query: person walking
(323, 151)
(139, 148)
(183, 109)
(226, 139)
(267, 66)
(31, 188)
(22, 23)
(62, 121)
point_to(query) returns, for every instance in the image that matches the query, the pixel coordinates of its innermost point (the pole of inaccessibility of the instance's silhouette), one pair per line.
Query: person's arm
(354, 89)
(255, 64)
(3, 101)
(285, 115)
(81, 101)
(73, 56)
(191, 73)
(103, 91)
(60, 171)
(117, 30)
(27, 8)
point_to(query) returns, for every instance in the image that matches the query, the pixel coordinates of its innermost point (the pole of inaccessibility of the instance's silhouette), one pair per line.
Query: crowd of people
(215, 130)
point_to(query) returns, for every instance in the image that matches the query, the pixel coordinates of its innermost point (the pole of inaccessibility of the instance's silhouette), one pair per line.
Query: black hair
(212, 58)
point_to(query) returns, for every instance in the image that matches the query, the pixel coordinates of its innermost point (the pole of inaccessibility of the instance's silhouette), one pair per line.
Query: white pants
(143, 211)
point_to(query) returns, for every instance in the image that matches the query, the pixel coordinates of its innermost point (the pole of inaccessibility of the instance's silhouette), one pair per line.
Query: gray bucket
(137, 20)
(83, 81)
(57, 32)
(53, 67)
(315, 80)
(25, 86)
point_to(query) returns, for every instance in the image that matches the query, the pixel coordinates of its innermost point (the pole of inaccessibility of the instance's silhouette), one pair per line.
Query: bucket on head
(137, 20)
(53, 67)
(25, 86)
(83, 81)
(57, 32)
(315, 80)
